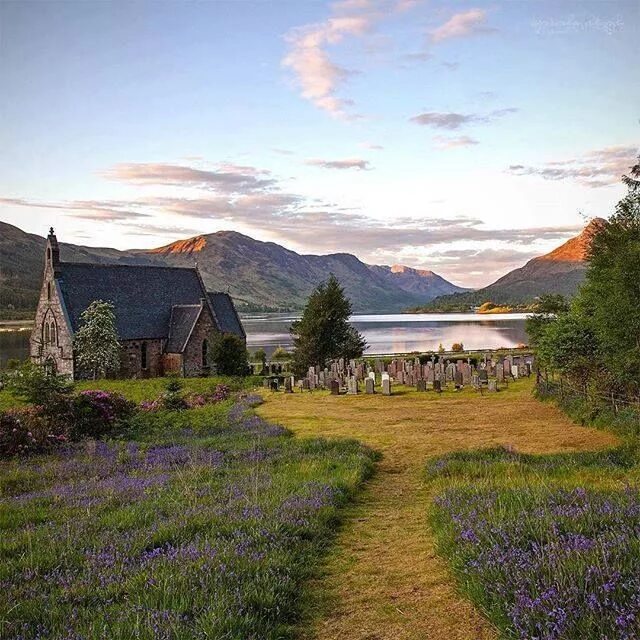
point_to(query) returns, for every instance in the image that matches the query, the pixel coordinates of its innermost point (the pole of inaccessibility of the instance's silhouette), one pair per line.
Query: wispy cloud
(462, 25)
(371, 145)
(317, 76)
(598, 168)
(452, 120)
(443, 142)
(104, 210)
(228, 179)
(345, 163)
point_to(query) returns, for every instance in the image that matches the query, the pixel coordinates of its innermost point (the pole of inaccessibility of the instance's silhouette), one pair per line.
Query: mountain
(259, 275)
(22, 263)
(264, 274)
(560, 271)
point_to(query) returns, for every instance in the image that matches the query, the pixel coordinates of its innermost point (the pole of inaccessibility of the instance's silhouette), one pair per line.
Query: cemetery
(484, 372)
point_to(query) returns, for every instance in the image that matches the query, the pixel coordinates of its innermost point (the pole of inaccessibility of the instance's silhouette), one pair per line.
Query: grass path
(383, 579)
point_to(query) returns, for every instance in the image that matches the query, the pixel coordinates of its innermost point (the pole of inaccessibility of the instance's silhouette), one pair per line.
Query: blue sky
(460, 137)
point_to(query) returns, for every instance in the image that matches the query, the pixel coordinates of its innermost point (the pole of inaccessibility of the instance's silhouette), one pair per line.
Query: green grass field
(206, 523)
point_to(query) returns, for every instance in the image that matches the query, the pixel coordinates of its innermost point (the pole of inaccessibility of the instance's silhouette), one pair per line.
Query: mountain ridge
(562, 271)
(259, 275)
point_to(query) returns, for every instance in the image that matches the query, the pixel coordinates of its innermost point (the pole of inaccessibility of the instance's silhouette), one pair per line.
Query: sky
(462, 137)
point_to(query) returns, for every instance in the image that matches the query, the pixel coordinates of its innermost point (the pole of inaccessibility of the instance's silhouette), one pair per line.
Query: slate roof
(183, 319)
(143, 296)
(226, 314)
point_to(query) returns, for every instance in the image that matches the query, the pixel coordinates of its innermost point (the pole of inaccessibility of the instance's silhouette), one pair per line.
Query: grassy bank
(547, 546)
(205, 523)
(383, 579)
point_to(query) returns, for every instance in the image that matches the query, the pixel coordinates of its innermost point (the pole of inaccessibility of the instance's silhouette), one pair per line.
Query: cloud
(317, 76)
(452, 120)
(462, 25)
(346, 163)
(228, 179)
(598, 168)
(442, 142)
(372, 146)
(105, 210)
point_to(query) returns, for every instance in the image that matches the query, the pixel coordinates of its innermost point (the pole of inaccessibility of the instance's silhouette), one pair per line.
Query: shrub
(229, 353)
(280, 354)
(32, 383)
(457, 347)
(27, 431)
(96, 414)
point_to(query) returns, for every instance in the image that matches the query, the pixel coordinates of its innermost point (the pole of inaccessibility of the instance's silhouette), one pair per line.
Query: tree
(260, 355)
(95, 344)
(611, 293)
(33, 384)
(229, 354)
(546, 309)
(324, 333)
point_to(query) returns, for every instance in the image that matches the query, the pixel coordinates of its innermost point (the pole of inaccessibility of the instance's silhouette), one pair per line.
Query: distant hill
(259, 275)
(264, 274)
(561, 271)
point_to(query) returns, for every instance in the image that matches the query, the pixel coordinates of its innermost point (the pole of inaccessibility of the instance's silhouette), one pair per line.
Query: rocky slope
(560, 271)
(257, 274)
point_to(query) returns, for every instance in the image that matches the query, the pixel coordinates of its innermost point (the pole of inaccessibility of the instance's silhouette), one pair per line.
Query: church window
(205, 354)
(143, 355)
(46, 337)
(54, 333)
(48, 291)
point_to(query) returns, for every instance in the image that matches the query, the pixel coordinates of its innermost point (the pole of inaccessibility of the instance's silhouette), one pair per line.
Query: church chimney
(53, 251)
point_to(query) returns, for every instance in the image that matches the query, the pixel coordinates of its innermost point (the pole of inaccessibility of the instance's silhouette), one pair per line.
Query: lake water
(393, 333)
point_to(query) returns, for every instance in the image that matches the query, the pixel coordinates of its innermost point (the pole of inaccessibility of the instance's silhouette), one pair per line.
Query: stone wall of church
(192, 358)
(131, 360)
(49, 346)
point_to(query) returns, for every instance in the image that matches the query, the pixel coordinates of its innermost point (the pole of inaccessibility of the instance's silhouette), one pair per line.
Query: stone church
(164, 315)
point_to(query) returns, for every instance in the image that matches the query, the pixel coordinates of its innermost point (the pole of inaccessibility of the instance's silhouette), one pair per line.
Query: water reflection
(397, 333)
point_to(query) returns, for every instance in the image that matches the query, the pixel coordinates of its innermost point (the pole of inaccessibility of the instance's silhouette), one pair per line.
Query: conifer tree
(324, 333)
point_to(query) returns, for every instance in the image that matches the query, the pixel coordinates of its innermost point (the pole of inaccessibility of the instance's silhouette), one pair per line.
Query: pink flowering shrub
(27, 431)
(191, 400)
(99, 413)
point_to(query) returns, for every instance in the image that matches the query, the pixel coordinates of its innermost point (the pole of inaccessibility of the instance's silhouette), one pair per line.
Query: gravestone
(288, 385)
(437, 386)
(386, 386)
(514, 371)
(421, 385)
(483, 376)
(352, 386)
(274, 384)
(372, 376)
(457, 379)
(334, 385)
(493, 385)
(306, 384)
(500, 372)
(369, 386)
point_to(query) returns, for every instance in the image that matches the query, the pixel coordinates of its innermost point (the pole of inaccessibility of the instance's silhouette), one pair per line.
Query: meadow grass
(384, 578)
(204, 524)
(547, 546)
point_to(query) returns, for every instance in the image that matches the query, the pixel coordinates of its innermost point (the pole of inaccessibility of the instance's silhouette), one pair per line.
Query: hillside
(259, 275)
(264, 274)
(560, 271)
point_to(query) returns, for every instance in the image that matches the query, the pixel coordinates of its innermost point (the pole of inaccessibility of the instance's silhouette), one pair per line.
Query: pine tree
(95, 344)
(324, 333)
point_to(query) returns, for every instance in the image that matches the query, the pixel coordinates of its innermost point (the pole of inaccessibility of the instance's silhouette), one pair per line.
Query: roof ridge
(128, 266)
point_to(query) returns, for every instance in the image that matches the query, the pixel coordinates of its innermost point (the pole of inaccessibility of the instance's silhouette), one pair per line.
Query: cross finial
(51, 232)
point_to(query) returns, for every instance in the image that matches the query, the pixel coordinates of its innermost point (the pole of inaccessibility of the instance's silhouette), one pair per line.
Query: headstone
(386, 386)
(457, 379)
(369, 386)
(421, 385)
(437, 386)
(493, 385)
(334, 385)
(483, 376)
(288, 385)
(306, 384)
(514, 371)
(274, 384)
(352, 386)
(372, 376)
(500, 372)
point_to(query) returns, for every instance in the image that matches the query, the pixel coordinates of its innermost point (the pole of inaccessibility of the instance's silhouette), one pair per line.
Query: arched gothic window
(54, 332)
(143, 355)
(205, 354)
(45, 337)
(48, 291)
